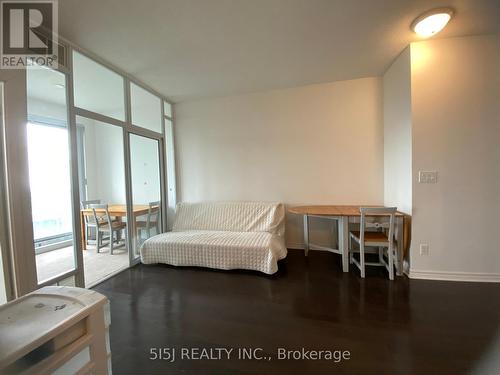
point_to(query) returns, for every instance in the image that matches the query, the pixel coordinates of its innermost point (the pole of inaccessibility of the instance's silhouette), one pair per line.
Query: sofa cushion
(230, 216)
(258, 251)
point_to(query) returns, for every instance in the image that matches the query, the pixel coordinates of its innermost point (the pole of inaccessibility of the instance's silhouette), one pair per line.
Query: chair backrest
(153, 214)
(85, 204)
(231, 216)
(385, 219)
(100, 213)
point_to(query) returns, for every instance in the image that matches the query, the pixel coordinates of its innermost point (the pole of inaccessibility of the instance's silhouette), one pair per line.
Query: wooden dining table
(118, 211)
(344, 215)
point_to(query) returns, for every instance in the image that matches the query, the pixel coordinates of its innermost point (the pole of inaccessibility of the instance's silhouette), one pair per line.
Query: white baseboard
(300, 246)
(295, 246)
(455, 276)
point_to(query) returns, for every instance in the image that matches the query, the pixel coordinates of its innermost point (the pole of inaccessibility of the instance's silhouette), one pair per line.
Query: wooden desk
(116, 210)
(344, 215)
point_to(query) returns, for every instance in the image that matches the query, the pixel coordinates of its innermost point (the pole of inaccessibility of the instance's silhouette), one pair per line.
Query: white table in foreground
(344, 215)
(55, 330)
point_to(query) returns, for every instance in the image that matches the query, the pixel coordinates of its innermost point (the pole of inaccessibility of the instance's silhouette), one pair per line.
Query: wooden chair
(89, 220)
(152, 220)
(106, 225)
(382, 238)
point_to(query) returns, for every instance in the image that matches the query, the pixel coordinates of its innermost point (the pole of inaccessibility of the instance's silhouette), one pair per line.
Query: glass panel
(145, 169)
(49, 170)
(97, 88)
(167, 109)
(146, 108)
(102, 170)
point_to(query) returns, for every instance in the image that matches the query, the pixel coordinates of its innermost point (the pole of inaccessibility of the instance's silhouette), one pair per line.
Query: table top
(333, 210)
(120, 209)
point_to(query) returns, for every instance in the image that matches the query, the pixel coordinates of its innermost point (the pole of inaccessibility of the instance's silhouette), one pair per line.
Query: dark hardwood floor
(400, 327)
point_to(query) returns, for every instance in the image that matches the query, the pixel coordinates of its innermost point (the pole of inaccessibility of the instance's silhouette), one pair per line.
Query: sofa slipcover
(222, 235)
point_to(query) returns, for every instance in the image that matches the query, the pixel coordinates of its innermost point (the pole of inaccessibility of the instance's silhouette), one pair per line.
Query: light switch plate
(427, 177)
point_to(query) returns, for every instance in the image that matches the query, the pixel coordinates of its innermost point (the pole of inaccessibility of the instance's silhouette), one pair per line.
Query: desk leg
(83, 232)
(306, 234)
(344, 241)
(400, 245)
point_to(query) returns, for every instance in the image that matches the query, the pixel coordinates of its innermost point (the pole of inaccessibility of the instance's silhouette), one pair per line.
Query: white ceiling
(188, 49)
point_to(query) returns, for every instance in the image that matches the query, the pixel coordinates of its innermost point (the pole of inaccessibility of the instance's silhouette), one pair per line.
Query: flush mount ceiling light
(432, 22)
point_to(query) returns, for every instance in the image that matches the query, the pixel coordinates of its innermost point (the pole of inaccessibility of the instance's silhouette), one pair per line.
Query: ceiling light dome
(432, 22)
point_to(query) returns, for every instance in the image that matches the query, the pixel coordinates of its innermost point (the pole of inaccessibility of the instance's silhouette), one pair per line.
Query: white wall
(398, 134)
(455, 86)
(318, 144)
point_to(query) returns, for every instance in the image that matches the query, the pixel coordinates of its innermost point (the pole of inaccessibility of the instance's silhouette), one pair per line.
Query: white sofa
(223, 235)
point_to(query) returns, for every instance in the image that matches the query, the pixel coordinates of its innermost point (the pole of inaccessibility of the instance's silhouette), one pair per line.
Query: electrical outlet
(424, 249)
(427, 177)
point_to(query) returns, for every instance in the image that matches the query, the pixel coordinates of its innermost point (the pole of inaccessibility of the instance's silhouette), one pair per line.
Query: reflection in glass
(97, 88)
(49, 173)
(3, 219)
(49, 180)
(146, 108)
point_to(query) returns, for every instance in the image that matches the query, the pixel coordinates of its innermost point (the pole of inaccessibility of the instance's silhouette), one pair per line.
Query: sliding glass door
(100, 109)
(145, 164)
(103, 202)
